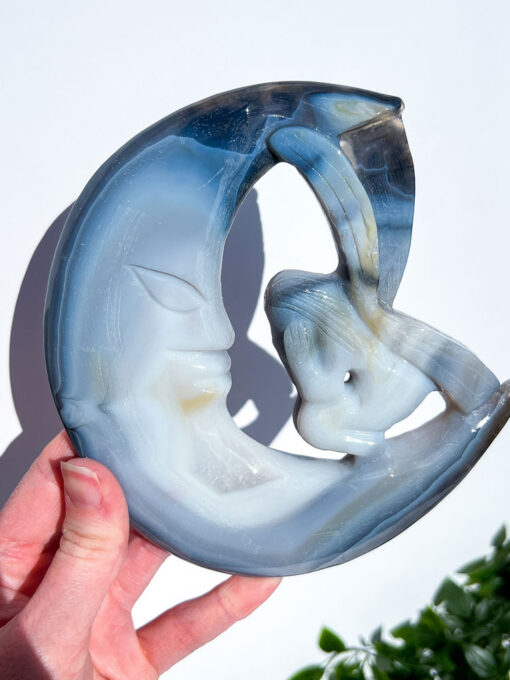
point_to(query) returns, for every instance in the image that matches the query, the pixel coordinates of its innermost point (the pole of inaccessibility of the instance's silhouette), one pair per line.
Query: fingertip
(246, 593)
(113, 500)
(266, 586)
(262, 583)
(82, 486)
(58, 448)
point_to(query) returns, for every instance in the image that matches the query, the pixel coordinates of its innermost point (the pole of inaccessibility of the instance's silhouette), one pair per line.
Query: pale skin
(71, 570)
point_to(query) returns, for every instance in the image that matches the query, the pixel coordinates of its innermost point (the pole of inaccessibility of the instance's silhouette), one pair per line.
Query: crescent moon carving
(137, 337)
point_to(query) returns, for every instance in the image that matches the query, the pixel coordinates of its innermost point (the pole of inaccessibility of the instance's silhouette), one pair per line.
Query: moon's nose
(217, 328)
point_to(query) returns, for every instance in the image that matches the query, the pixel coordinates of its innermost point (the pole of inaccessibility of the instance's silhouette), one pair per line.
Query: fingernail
(81, 485)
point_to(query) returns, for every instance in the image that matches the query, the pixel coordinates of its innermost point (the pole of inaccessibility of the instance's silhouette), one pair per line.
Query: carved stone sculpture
(136, 337)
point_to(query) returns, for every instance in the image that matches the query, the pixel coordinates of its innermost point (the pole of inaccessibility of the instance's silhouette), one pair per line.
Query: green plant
(463, 635)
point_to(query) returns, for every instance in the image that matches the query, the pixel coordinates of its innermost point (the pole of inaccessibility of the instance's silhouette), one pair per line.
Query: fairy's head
(351, 386)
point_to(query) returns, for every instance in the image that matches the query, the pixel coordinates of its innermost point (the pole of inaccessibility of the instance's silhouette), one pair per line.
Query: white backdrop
(79, 79)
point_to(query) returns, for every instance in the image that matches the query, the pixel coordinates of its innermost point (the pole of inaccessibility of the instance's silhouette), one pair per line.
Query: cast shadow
(256, 375)
(31, 394)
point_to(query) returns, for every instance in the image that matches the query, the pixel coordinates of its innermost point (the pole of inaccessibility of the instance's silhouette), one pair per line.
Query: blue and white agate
(137, 337)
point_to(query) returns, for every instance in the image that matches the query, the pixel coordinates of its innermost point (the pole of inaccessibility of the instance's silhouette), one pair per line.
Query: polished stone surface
(137, 337)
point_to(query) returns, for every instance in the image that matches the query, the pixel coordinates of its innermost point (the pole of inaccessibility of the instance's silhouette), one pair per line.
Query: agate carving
(137, 337)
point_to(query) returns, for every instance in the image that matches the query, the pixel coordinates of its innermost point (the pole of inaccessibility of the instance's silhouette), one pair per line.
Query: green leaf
(382, 663)
(430, 619)
(490, 588)
(474, 565)
(456, 599)
(405, 631)
(482, 611)
(466, 636)
(348, 671)
(444, 658)
(309, 673)
(499, 539)
(480, 660)
(376, 635)
(330, 642)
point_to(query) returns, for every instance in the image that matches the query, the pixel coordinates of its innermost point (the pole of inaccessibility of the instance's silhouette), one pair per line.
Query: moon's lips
(136, 337)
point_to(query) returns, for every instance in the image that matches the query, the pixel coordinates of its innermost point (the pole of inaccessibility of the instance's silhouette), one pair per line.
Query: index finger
(31, 519)
(180, 630)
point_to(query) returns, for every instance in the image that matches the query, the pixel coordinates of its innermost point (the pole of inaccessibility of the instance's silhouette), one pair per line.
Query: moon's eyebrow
(168, 290)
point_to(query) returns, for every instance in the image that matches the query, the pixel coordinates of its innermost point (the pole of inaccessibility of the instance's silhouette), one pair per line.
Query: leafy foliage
(463, 635)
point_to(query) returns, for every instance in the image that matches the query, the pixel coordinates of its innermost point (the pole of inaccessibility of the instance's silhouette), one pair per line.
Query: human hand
(71, 571)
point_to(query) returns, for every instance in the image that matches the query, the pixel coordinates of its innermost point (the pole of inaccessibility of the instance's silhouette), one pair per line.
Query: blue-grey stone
(137, 337)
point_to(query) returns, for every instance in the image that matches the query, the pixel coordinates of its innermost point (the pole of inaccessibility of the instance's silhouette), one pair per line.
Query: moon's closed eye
(168, 290)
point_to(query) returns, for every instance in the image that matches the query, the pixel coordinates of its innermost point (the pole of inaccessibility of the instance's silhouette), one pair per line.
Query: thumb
(92, 548)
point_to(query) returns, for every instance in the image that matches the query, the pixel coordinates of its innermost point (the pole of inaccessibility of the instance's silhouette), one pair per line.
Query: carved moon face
(137, 337)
